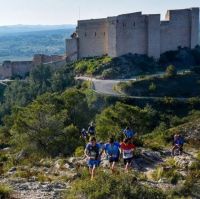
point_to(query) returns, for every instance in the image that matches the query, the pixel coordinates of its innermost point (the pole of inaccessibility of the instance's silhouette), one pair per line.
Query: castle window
(85, 34)
(104, 34)
(117, 21)
(124, 25)
(95, 34)
(133, 24)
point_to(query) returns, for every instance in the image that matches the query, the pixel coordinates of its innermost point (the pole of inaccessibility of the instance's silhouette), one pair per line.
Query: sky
(55, 12)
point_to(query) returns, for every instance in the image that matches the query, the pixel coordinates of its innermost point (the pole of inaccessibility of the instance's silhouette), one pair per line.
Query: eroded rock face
(184, 161)
(191, 131)
(146, 160)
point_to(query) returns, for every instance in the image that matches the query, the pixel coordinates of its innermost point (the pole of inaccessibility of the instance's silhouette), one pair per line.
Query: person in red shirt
(127, 149)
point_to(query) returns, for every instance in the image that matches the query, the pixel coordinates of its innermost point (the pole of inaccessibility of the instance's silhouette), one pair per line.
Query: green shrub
(170, 174)
(171, 71)
(5, 191)
(105, 186)
(79, 151)
(152, 87)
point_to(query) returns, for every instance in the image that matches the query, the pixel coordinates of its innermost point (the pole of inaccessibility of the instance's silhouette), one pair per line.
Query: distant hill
(31, 28)
(22, 42)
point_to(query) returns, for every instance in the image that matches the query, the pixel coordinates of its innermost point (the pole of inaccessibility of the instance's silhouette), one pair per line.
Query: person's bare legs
(93, 172)
(113, 167)
(127, 167)
(173, 149)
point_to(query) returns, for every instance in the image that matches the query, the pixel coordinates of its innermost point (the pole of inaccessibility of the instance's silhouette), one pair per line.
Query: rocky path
(31, 189)
(145, 162)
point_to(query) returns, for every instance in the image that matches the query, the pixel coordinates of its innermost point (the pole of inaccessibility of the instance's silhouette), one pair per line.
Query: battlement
(135, 33)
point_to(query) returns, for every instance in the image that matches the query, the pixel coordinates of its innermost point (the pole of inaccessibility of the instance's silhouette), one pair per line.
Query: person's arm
(86, 153)
(133, 147)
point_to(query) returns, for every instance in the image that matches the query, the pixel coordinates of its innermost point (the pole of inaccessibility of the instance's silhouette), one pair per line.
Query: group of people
(85, 134)
(113, 149)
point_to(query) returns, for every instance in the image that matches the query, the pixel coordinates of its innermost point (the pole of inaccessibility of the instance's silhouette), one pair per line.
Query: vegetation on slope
(186, 85)
(119, 67)
(113, 187)
(43, 117)
(130, 65)
(42, 79)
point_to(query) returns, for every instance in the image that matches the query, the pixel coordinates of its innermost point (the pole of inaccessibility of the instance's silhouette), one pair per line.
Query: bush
(5, 191)
(152, 87)
(171, 71)
(79, 151)
(170, 174)
(105, 186)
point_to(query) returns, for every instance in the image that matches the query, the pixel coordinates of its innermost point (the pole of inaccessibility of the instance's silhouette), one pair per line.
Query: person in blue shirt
(178, 143)
(84, 134)
(128, 133)
(112, 152)
(91, 129)
(93, 153)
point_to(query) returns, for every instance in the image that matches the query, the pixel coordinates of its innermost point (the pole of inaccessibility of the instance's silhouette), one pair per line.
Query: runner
(92, 152)
(84, 134)
(128, 133)
(178, 143)
(127, 149)
(91, 129)
(112, 151)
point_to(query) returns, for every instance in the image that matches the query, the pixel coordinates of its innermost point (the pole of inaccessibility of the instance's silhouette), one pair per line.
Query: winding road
(105, 87)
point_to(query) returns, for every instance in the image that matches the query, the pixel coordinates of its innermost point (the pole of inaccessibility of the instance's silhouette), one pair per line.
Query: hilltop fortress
(134, 33)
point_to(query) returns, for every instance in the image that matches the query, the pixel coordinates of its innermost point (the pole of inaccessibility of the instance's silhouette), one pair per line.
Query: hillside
(42, 150)
(130, 65)
(186, 85)
(23, 45)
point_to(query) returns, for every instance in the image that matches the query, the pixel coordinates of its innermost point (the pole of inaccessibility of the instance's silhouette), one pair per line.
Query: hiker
(112, 152)
(128, 133)
(84, 134)
(127, 149)
(91, 129)
(178, 143)
(92, 152)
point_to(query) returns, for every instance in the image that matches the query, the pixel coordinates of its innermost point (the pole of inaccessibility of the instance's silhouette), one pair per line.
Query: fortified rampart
(22, 68)
(134, 33)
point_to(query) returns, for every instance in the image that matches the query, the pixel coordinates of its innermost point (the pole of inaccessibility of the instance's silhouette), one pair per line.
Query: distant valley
(21, 42)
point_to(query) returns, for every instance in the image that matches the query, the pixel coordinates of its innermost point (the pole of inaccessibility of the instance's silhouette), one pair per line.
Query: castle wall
(41, 58)
(21, 68)
(112, 36)
(16, 68)
(153, 36)
(5, 70)
(194, 40)
(93, 37)
(176, 31)
(131, 34)
(72, 49)
(136, 33)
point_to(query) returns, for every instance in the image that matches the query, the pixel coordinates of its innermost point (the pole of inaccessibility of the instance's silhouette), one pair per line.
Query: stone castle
(21, 68)
(134, 33)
